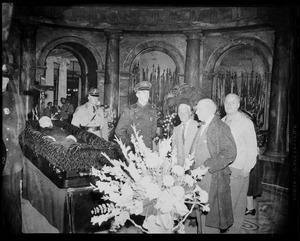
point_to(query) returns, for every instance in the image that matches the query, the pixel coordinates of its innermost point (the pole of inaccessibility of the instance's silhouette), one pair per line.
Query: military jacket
(13, 123)
(145, 120)
(84, 116)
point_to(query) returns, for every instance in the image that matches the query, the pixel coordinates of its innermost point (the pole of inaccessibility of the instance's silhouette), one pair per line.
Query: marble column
(278, 113)
(192, 60)
(62, 82)
(100, 84)
(79, 89)
(50, 77)
(111, 84)
(28, 63)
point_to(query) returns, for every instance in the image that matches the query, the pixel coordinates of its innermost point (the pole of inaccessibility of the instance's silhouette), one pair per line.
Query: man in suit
(214, 148)
(90, 116)
(141, 114)
(184, 133)
(13, 123)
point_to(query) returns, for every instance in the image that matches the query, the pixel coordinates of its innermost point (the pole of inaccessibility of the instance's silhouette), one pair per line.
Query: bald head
(205, 109)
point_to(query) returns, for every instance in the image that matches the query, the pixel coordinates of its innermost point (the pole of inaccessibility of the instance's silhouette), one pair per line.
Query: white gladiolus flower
(153, 191)
(206, 208)
(153, 161)
(188, 180)
(168, 180)
(126, 191)
(178, 170)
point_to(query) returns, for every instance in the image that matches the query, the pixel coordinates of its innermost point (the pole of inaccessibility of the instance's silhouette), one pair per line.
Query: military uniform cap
(143, 85)
(94, 92)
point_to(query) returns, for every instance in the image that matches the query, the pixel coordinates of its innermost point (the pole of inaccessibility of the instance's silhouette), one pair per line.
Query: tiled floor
(270, 218)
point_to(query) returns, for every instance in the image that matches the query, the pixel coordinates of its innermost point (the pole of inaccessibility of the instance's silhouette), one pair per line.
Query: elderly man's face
(202, 112)
(231, 104)
(184, 113)
(5, 81)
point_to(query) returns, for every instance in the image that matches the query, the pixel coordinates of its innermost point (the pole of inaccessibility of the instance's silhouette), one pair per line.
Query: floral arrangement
(151, 184)
(168, 125)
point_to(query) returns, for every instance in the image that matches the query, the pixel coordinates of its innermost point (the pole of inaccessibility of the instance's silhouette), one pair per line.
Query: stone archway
(149, 46)
(88, 57)
(242, 66)
(157, 91)
(253, 43)
(69, 39)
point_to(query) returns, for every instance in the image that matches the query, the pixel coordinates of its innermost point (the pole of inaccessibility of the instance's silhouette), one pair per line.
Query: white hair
(184, 106)
(45, 121)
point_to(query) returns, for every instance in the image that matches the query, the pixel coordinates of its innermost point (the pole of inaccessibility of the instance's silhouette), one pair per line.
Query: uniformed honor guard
(13, 123)
(90, 116)
(141, 114)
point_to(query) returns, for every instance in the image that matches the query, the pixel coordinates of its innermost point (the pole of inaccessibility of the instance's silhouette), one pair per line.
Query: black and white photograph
(150, 119)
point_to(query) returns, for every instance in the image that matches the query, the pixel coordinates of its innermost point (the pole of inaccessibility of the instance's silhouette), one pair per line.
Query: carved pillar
(28, 62)
(124, 90)
(62, 82)
(192, 60)
(50, 77)
(79, 89)
(100, 84)
(277, 131)
(111, 84)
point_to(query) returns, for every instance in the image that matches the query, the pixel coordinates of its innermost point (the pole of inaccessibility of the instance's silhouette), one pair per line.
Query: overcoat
(222, 149)
(145, 120)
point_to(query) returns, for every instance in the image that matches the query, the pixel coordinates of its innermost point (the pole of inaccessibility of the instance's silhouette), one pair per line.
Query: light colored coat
(242, 129)
(84, 116)
(183, 151)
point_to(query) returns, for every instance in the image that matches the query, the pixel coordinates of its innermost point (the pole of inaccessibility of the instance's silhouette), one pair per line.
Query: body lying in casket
(64, 161)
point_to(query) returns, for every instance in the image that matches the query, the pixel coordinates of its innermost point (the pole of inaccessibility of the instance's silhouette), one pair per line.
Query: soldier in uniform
(13, 123)
(141, 114)
(90, 116)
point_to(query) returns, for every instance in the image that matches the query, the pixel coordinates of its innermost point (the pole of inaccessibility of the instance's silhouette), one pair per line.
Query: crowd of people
(226, 147)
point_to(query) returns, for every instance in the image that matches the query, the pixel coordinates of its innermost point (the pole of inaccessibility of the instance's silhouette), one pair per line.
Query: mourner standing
(141, 114)
(66, 110)
(47, 111)
(184, 133)
(243, 131)
(13, 123)
(90, 116)
(214, 148)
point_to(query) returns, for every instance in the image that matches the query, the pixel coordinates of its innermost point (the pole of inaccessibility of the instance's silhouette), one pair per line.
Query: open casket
(56, 179)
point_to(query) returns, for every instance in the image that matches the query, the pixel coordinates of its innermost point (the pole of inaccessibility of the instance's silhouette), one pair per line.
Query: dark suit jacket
(222, 149)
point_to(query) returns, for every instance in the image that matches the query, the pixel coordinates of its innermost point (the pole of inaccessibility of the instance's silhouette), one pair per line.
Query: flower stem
(138, 226)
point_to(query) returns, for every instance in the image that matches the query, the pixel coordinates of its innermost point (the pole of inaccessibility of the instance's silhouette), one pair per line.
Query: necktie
(183, 131)
(94, 109)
